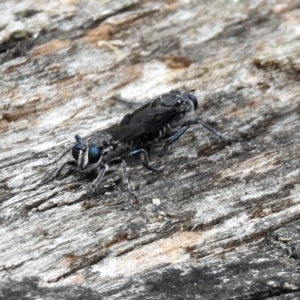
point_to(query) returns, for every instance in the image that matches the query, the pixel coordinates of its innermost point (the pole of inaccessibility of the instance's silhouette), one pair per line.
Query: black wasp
(167, 117)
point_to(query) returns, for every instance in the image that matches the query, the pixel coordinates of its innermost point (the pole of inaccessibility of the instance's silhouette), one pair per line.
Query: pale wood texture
(221, 221)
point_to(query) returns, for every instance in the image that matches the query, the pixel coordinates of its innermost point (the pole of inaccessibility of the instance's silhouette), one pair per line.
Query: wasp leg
(173, 139)
(186, 126)
(106, 167)
(125, 178)
(212, 130)
(99, 177)
(58, 170)
(145, 160)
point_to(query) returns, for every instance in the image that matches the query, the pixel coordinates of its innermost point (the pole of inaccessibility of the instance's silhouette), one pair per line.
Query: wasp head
(88, 155)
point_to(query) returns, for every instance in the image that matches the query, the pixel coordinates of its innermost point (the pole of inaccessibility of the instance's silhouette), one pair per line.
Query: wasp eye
(94, 154)
(194, 100)
(75, 150)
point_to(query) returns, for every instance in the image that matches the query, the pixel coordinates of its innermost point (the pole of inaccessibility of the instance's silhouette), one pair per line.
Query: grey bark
(221, 221)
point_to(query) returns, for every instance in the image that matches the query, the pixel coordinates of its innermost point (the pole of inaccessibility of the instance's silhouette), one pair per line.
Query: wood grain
(221, 221)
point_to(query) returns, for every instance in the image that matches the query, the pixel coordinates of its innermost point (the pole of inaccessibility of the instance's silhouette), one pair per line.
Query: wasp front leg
(104, 168)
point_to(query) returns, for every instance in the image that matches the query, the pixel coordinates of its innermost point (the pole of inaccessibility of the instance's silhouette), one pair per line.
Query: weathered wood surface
(221, 221)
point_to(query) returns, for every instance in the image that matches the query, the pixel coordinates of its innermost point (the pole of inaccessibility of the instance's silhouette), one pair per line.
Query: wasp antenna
(78, 139)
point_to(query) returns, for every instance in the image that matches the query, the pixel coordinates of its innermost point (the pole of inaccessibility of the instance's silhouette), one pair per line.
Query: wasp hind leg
(173, 139)
(184, 127)
(213, 131)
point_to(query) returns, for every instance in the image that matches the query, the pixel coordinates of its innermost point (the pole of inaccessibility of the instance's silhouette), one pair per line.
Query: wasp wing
(124, 132)
(156, 114)
(152, 118)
